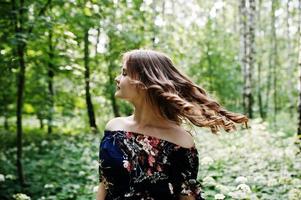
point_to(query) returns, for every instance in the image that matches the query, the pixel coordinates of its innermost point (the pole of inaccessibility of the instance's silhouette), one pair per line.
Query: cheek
(122, 81)
(125, 82)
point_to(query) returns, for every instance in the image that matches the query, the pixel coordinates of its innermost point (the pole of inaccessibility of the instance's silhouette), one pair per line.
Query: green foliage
(58, 167)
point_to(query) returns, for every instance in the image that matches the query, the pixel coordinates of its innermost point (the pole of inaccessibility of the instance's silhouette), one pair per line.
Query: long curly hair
(177, 97)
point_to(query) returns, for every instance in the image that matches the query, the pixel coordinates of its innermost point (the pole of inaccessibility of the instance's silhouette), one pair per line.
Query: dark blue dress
(136, 166)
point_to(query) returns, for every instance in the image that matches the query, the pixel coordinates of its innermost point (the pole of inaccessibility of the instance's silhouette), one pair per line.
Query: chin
(117, 95)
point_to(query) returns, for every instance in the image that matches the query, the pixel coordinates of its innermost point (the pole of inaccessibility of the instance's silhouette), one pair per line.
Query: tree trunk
(274, 60)
(20, 33)
(299, 63)
(89, 103)
(272, 65)
(112, 93)
(41, 122)
(18, 24)
(50, 83)
(243, 46)
(268, 91)
(21, 83)
(5, 114)
(259, 65)
(289, 62)
(250, 57)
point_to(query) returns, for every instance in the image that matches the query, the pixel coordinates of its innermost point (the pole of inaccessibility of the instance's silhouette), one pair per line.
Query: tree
(21, 34)
(259, 61)
(50, 73)
(274, 57)
(89, 103)
(7, 66)
(299, 42)
(247, 12)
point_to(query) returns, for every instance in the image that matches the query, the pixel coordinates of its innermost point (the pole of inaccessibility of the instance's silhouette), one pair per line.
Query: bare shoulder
(174, 134)
(115, 124)
(183, 138)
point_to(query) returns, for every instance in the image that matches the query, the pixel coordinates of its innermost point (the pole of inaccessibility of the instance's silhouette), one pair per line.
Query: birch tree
(247, 37)
(299, 65)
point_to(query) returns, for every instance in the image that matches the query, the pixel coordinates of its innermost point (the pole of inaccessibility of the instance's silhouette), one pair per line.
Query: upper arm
(101, 192)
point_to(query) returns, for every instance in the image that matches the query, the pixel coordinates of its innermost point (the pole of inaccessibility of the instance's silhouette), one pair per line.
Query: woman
(148, 155)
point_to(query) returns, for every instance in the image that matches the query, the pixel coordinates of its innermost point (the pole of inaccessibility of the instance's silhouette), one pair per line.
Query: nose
(117, 79)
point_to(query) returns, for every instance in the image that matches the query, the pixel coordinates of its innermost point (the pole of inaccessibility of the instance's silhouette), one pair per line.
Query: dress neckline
(149, 136)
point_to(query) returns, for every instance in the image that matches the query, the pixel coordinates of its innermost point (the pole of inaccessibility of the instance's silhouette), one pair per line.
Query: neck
(146, 116)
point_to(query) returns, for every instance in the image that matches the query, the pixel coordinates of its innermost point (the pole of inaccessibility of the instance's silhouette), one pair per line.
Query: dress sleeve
(184, 170)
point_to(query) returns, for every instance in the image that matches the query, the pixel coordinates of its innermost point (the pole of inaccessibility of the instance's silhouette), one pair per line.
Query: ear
(141, 89)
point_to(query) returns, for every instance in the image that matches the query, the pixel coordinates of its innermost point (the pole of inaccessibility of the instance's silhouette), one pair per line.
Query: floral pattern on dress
(136, 166)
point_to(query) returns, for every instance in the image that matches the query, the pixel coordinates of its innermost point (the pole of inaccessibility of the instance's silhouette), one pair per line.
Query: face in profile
(124, 89)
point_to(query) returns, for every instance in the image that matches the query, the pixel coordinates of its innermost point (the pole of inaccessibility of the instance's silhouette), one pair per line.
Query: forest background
(58, 61)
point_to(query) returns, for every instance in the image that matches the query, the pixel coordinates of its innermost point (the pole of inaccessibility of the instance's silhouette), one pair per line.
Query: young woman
(148, 155)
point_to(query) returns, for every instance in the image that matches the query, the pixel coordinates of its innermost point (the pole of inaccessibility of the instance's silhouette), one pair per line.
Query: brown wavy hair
(177, 97)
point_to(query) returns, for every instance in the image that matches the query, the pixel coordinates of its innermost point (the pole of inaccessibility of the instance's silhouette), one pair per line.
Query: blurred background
(58, 61)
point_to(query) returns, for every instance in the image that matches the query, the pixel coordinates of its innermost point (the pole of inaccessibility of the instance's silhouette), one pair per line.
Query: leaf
(87, 12)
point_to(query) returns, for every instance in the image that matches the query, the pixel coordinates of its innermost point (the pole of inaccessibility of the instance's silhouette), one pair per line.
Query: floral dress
(140, 167)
